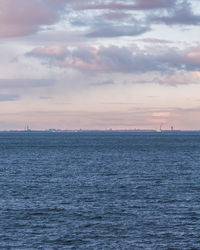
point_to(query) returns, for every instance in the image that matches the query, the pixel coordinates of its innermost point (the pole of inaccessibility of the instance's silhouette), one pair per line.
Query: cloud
(8, 98)
(154, 4)
(116, 30)
(180, 78)
(24, 83)
(100, 58)
(56, 51)
(108, 82)
(137, 5)
(154, 40)
(25, 17)
(182, 14)
(115, 15)
(22, 17)
(99, 26)
(123, 59)
(174, 79)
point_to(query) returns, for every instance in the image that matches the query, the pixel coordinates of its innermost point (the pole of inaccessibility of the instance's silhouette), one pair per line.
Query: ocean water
(99, 191)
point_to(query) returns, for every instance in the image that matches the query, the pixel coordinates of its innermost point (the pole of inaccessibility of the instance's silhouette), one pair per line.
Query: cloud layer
(118, 53)
(24, 17)
(8, 97)
(30, 16)
(120, 59)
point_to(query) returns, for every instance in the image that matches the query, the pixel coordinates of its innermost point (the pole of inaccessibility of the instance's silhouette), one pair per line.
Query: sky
(99, 64)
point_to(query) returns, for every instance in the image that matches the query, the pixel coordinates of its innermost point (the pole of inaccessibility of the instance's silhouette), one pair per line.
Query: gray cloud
(24, 83)
(182, 14)
(8, 98)
(27, 17)
(98, 26)
(124, 59)
(110, 30)
(31, 16)
(103, 83)
(154, 41)
(128, 5)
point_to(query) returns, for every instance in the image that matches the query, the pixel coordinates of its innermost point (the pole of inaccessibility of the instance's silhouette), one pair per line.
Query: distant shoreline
(100, 131)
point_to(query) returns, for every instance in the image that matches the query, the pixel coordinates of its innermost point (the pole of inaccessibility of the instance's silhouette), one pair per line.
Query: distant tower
(27, 128)
(161, 127)
(172, 128)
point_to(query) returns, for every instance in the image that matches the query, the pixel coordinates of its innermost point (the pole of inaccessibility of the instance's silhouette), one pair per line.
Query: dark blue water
(99, 191)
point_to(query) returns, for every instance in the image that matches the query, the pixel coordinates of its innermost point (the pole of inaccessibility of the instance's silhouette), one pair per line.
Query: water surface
(99, 191)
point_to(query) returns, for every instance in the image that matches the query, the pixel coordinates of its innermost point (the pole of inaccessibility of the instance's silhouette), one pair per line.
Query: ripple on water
(99, 191)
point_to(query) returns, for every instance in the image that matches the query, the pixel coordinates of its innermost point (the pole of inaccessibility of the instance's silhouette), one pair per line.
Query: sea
(99, 190)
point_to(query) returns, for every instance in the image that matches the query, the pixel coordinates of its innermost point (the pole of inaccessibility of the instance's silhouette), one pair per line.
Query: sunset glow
(71, 64)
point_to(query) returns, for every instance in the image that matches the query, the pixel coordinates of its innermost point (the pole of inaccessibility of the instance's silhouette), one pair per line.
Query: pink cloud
(126, 60)
(51, 52)
(193, 55)
(179, 78)
(22, 17)
(82, 59)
